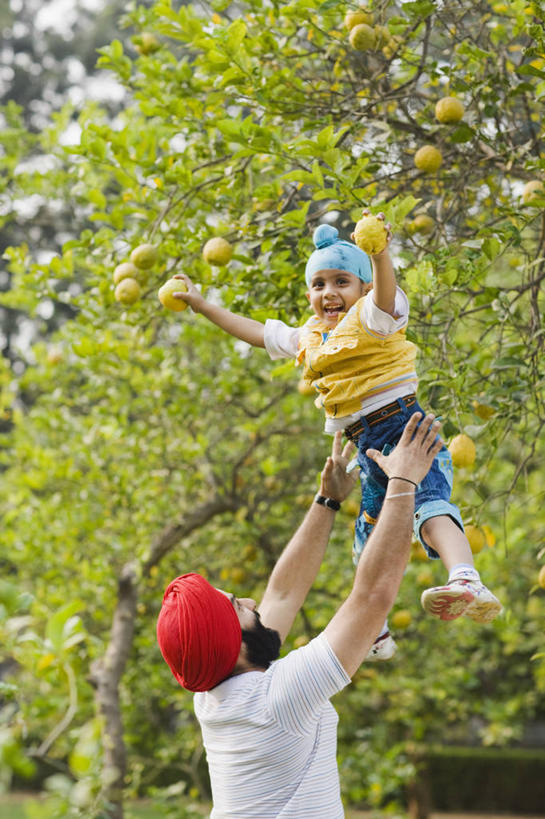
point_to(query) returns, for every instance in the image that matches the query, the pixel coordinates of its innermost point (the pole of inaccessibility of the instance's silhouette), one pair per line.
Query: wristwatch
(329, 502)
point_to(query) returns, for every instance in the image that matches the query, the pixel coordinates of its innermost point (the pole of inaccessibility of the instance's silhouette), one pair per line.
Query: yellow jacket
(351, 363)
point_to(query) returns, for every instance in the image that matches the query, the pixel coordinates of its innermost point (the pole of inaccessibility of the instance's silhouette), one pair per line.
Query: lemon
(127, 291)
(391, 46)
(484, 411)
(126, 270)
(370, 235)
(389, 49)
(462, 450)
(249, 552)
(489, 535)
(300, 641)
(54, 355)
(422, 223)
(238, 575)
(144, 256)
(305, 387)
(476, 537)
(449, 109)
(533, 190)
(382, 36)
(166, 298)
(356, 18)
(401, 619)
(147, 43)
(217, 251)
(351, 507)
(362, 37)
(417, 551)
(428, 158)
(534, 606)
(541, 577)
(424, 577)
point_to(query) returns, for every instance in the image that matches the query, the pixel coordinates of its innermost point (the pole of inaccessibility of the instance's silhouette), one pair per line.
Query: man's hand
(193, 296)
(414, 454)
(335, 483)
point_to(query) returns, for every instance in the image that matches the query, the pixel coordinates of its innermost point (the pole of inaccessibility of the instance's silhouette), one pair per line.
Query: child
(356, 354)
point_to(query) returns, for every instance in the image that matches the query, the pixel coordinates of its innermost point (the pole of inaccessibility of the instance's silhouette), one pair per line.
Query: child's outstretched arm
(246, 329)
(384, 280)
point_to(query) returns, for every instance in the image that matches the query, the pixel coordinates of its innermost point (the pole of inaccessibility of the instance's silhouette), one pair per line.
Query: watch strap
(329, 502)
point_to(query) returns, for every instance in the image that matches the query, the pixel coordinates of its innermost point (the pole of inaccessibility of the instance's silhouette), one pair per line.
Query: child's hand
(192, 296)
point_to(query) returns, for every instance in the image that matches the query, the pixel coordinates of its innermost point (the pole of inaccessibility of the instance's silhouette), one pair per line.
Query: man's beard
(262, 644)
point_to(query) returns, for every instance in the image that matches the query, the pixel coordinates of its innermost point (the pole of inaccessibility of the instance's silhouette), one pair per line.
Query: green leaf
(235, 34)
(491, 247)
(398, 209)
(530, 70)
(463, 133)
(60, 626)
(507, 362)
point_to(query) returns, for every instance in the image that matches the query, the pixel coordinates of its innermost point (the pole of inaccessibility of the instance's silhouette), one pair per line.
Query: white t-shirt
(271, 738)
(281, 341)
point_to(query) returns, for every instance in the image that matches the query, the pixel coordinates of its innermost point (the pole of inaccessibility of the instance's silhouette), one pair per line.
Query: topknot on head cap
(325, 235)
(333, 253)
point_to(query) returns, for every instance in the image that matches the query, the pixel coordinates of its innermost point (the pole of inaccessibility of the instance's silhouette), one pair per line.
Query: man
(268, 727)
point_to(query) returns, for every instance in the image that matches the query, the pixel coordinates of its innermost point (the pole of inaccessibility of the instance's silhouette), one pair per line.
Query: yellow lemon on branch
(462, 450)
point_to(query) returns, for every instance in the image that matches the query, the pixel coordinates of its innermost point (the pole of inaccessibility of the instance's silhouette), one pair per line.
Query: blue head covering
(333, 253)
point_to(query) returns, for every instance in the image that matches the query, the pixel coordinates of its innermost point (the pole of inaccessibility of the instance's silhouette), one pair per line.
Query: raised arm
(384, 279)
(357, 623)
(246, 329)
(300, 561)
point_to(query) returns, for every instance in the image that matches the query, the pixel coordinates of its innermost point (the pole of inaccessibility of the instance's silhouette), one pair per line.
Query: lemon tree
(257, 126)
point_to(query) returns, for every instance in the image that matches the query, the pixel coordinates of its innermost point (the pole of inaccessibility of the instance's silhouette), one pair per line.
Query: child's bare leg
(448, 540)
(464, 593)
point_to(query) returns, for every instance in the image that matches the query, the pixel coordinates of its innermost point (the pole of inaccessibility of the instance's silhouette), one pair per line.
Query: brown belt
(353, 431)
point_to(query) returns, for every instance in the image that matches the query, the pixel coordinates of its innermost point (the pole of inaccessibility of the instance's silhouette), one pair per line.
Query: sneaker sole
(483, 611)
(446, 603)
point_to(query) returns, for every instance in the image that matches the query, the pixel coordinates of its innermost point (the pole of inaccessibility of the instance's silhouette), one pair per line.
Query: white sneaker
(485, 606)
(468, 597)
(383, 648)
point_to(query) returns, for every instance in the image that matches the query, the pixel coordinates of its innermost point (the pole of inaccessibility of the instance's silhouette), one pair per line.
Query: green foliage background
(144, 444)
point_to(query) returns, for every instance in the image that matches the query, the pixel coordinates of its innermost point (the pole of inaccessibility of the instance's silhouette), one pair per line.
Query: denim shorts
(432, 494)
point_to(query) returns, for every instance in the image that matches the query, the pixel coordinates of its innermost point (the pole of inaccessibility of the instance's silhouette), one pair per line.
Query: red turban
(198, 632)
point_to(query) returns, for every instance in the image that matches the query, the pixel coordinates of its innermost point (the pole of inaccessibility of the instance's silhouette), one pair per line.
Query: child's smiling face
(333, 292)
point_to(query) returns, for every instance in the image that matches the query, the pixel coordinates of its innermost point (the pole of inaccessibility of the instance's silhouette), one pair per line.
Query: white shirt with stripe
(281, 341)
(271, 738)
